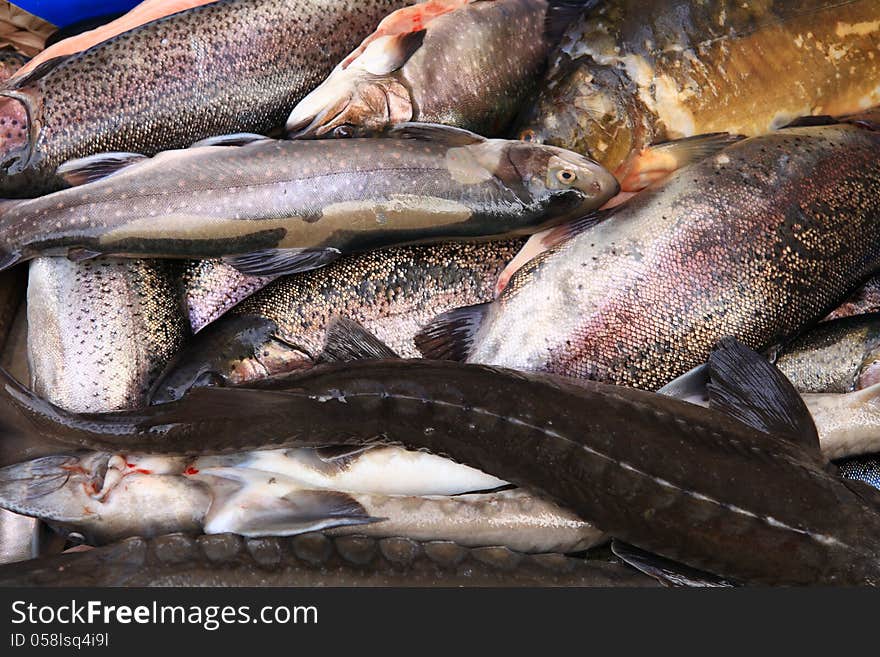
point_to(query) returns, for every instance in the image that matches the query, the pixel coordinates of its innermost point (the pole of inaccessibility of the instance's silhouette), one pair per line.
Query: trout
(223, 67)
(289, 206)
(758, 242)
(466, 64)
(390, 293)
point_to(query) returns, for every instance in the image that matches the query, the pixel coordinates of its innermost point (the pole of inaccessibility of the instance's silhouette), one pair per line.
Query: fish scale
(312, 560)
(219, 68)
(757, 242)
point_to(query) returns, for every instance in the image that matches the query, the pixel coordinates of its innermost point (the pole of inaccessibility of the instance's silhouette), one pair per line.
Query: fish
(627, 76)
(759, 241)
(848, 423)
(101, 331)
(864, 300)
(142, 13)
(465, 64)
(107, 497)
(282, 207)
(390, 293)
(863, 468)
(836, 356)
(312, 560)
(209, 288)
(650, 470)
(17, 532)
(173, 81)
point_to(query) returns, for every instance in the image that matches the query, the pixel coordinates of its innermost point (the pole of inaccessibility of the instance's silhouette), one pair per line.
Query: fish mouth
(366, 107)
(17, 135)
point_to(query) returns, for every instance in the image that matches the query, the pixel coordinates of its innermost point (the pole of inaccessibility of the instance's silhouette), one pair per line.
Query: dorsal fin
(692, 386)
(745, 385)
(450, 336)
(234, 139)
(95, 167)
(346, 340)
(434, 132)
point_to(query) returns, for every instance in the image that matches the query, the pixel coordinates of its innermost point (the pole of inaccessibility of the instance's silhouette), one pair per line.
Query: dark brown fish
(228, 66)
(740, 490)
(758, 241)
(392, 293)
(311, 560)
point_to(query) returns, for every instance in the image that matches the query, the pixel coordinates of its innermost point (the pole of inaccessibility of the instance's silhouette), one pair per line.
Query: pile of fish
(462, 292)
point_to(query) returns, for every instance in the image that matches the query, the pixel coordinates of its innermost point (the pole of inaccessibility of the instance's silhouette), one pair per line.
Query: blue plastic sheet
(65, 12)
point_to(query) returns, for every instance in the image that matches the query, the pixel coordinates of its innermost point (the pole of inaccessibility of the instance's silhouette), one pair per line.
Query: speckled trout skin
(321, 197)
(837, 356)
(312, 560)
(209, 288)
(630, 74)
(391, 292)
(633, 462)
(758, 242)
(101, 331)
(228, 66)
(471, 68)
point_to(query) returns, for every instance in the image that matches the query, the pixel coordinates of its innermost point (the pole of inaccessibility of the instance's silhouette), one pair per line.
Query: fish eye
(566, 176)
(343, 131)
(528, 136)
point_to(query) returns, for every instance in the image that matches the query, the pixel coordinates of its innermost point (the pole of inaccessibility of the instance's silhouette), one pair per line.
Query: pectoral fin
(293, 513)
(450, 336)
(95, 167)
(347, 340)
(282, 262)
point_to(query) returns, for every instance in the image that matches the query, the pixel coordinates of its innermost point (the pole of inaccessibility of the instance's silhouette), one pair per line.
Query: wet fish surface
(101, 331)
(157, 93)
(571, 442)
(836, 356)
(629, 75)
(311, 560)
(391, 293)
(288, 206)
(758, 242)
(209, 288)
(105, 497)
(470, 67)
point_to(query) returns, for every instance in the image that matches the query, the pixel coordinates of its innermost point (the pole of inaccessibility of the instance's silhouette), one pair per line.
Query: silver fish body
(837, 356)
(101, 331)
(296, 205)
(107, 497)
(789, 225)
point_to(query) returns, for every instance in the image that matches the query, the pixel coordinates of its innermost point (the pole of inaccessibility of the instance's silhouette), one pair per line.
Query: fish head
(362, 96)
(584, 111)
(561, 183)
(232, 351)
(104, 496)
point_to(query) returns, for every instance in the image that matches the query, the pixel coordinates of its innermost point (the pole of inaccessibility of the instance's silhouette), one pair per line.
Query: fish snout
(370, 106)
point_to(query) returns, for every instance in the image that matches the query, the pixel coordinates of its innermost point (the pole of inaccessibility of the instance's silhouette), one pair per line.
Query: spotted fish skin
(311, 560)
(100, 332)
(757, 242)
(392, 293)
(229, 66)
(326, 196)
(629, 74)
